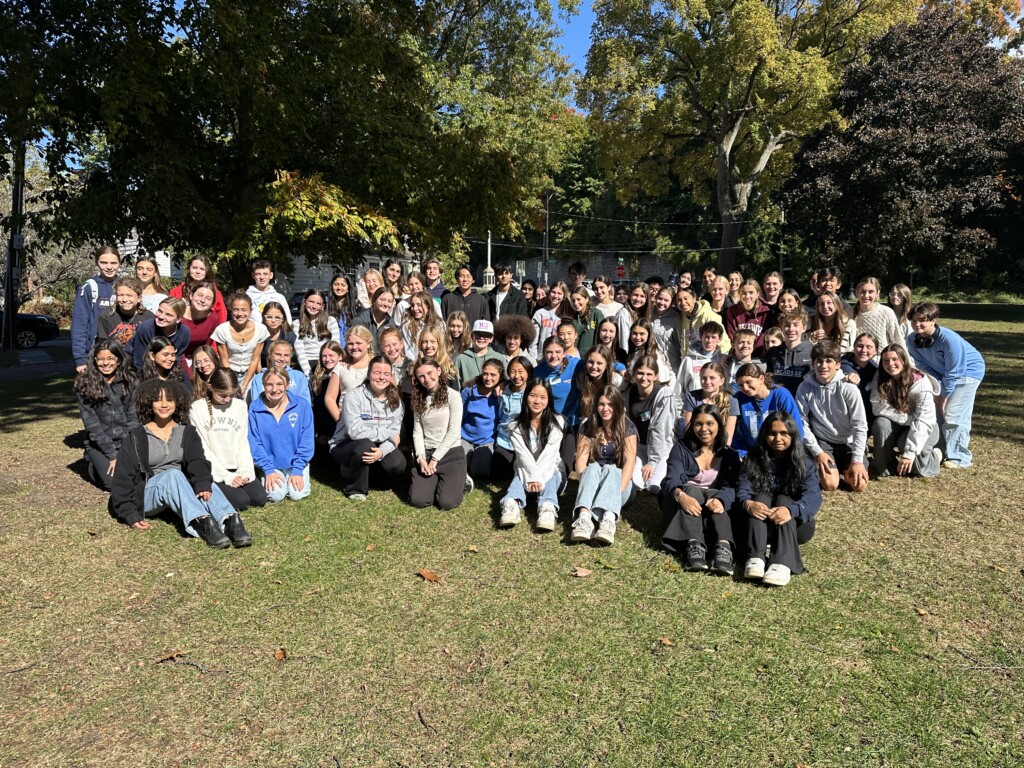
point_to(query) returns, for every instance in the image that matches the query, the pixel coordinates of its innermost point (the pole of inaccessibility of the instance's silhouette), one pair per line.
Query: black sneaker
(696, 556)
(210, 532)
(235, 529)
(721, 561)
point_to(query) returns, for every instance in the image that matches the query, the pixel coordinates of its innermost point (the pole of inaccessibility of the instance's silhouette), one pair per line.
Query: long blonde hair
(441, 356)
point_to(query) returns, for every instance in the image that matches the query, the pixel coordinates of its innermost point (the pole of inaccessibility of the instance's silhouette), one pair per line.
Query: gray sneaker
(468, 488)
(510, 514)
(583, 528)
(754, 568)
(606, 529)
(546, 517)
(357, 496)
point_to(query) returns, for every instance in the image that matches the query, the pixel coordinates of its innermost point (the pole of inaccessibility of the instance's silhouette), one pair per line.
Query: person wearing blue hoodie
(756, 399)
(481, 406)
(281, 438)
(959, 367)
(95, 297)
(557, 370)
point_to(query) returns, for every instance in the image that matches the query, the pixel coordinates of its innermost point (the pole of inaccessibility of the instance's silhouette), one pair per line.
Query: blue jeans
(956, 422)
(286, 491)
(600, 490)
(548, 493)
(171, 490)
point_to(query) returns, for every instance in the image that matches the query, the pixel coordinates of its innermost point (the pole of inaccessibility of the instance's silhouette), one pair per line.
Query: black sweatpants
(252, 494)
(446, 487)
(349, 456)
(708, 528)
(785, 539)
(100, 463)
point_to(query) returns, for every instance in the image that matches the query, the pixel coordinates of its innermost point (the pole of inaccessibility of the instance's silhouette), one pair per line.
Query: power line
(651, 250)
(641, 221)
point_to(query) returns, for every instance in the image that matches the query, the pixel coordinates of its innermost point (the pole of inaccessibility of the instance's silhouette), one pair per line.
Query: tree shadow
(28, 402)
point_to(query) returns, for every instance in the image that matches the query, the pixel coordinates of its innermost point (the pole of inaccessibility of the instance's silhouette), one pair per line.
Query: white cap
(483, 326)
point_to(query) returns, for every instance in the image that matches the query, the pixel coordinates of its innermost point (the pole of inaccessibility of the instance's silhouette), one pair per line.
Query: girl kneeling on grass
(161, 465)
(699, 490)
(536, 436)
(439, 476)
(605, 454)
(481, 412)
(368, 431)
(105, 391)
(222, 421)
(281, 438)
(779, 491)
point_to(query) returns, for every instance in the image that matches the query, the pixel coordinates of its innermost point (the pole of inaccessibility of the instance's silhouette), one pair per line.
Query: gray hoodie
(834, 413)
(921, 417)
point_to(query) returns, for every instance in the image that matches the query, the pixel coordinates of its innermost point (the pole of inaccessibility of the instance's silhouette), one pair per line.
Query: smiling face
(686, 301)
(281, 357)
(537, 400)
(385, 303)
(607, 333)
(637, 298)
(490, 377)
(778, 439)
(922, 326)
(605, 409)
(718, 290)
(788, 303)
(663, 301)
(644, 378)
(621, 296)
(601, 289)
(556, 295)
(329, 358)
(596, 365)
(867, 295)
(528, 291)
(638, 336)
(864, 349)
(417, 309)
(240, 311)
(513, 343)
(164, 358)
(743, 347)
(339, 287)
(481, 341)
(413, 285)
(428, 344)
(106, 363)
(826, 307)
(772, 286)
(793, 330)
(108, 264)
(163, 407)
(379, 377)
(274, 388)
(203, 363)
(127, 300)
(428, 376)
(579, 303)
(201, 300)
(145, 272)
(392, 272)
(197, 270)
(165, 316)
(567, 333)
(517, 376)
(391, 347)
(553, 355)
(705, 429)
(465, 279)
(372, 283)
(356, 346)
(432, 271)
(272, 318)
(748, 297)
(752, 386)
(892, 364)
(711, 381)
(313, 304)
(825, 369)
(735, 280)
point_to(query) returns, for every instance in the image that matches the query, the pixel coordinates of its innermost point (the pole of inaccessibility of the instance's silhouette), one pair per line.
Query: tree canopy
(274, 128)
(921, 153)
(716, 93)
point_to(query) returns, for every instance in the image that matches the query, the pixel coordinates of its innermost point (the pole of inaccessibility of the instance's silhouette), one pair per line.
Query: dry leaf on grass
(370, 547)
(666, 641)
(281, 654)
(426, 575)
(172, 656)
(308, 539)
(473, 548)
(922, 611)
(579, 573)
(671, 566)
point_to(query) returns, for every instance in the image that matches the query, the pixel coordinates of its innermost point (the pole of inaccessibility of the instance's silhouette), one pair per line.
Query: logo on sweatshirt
(293, 419)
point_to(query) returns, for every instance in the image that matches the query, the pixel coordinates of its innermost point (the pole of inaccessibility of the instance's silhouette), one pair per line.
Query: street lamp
(547, 230)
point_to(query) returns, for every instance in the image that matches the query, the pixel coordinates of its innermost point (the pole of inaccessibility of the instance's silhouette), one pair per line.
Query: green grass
(901, 647)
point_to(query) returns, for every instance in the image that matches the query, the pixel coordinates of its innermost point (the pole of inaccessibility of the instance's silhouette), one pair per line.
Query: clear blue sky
(576, 35)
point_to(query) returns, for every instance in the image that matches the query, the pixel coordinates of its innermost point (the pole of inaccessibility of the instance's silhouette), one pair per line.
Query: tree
(903, 179)
(298, 127)
(716, 93)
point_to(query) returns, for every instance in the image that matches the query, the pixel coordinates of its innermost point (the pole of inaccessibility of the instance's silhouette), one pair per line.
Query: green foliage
(715, 94)
(923, 153)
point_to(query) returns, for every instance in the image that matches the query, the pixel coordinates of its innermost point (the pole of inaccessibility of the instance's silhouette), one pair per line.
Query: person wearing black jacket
(505, 298)
(161, 465)
(698, 490)
(105, 391)
(465, 299)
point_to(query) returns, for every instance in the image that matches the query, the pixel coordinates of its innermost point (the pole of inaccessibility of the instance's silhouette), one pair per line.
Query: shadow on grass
(991, 313)
(28, 402)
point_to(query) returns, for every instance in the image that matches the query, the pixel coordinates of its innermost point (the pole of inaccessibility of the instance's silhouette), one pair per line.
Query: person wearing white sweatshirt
(536, 436)
(835, 424)
(222, 421)
(906, 426)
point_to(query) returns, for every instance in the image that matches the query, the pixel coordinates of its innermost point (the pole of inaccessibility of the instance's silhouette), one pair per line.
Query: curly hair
(512, 325)
(151, 390)
(420, 394)
(92, 386)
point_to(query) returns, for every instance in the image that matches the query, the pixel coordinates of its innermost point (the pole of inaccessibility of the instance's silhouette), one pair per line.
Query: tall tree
(302, 126)
(920, 153)
(716, 93)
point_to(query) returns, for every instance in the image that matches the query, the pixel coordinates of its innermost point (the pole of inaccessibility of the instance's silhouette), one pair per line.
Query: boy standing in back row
(95, 297)
(262, 292)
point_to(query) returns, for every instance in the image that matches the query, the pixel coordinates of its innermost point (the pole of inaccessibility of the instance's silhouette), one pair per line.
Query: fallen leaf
(426, 575)
(607, 565)
(667, 642)
(280, 654)
(370, 547)
(308, 539)
(172, 656)
(921, 611)
(726, 595)
(671, 566)
(133, 595)
(579, 573)
(894, 649)
(473, 548)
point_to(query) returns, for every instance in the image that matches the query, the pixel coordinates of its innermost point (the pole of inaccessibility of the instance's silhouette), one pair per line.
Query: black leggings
(252, 494)
(446, 487)
(785, 539)
(349, 456)
(100, 464)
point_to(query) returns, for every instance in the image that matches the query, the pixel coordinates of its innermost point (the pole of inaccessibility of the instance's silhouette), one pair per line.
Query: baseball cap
(483, 326)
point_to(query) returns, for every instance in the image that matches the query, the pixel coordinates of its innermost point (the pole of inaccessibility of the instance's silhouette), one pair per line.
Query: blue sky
(576, 35)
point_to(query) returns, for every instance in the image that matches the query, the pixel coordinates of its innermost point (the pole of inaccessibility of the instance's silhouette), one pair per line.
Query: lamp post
(547, 231)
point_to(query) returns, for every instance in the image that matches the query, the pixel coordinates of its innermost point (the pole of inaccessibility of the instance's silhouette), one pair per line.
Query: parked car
(31, 329)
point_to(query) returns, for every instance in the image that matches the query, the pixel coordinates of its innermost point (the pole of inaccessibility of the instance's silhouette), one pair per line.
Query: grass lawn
(903, 646)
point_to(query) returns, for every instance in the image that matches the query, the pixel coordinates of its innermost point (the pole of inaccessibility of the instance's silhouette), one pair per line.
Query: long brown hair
(392, 396)
(838, 329)
(896, 390)
(419, 392)
(595, 429)
(314, 327)
(221, 380)
(320, 373)
(722, 399)
(590, 389)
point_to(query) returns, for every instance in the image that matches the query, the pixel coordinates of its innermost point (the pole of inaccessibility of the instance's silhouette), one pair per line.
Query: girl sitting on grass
(481, 406)
(281, 438)
(536, 436)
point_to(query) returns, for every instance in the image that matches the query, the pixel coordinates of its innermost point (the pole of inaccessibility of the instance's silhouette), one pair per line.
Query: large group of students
(734, 402)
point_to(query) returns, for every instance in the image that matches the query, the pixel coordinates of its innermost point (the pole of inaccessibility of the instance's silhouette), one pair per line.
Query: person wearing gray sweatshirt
(652, 408)
(835, 423)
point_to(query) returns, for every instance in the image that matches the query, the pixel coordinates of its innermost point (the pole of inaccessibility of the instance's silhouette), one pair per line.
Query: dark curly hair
(91, 385)
(513, 325)
(151, 389)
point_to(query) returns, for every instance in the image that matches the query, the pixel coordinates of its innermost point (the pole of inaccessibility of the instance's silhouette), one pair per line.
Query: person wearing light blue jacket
(281, 438)
(959, 368)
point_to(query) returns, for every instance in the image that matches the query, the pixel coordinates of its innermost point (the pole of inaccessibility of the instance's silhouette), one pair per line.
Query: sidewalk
(49, 360)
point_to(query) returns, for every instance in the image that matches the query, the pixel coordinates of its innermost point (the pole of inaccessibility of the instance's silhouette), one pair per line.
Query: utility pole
(15, 245)
(547, 231)
(489, 272)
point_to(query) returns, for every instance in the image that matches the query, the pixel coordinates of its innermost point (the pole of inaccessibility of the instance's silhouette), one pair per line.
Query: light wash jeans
(548, 493)
(600, 491)
(956, 422)
(171, 490)
(654, 483)
(286, 491)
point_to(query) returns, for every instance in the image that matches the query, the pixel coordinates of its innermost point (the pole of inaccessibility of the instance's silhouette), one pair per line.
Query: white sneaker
(509, 514)
(546, 517)
(583, 528)
(777, 575)
(606, 529)
(754, 568)
(937, 453)
(468, 487)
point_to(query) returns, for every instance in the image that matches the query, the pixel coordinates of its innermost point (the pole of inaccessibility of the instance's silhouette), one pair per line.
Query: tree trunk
(731, 227)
